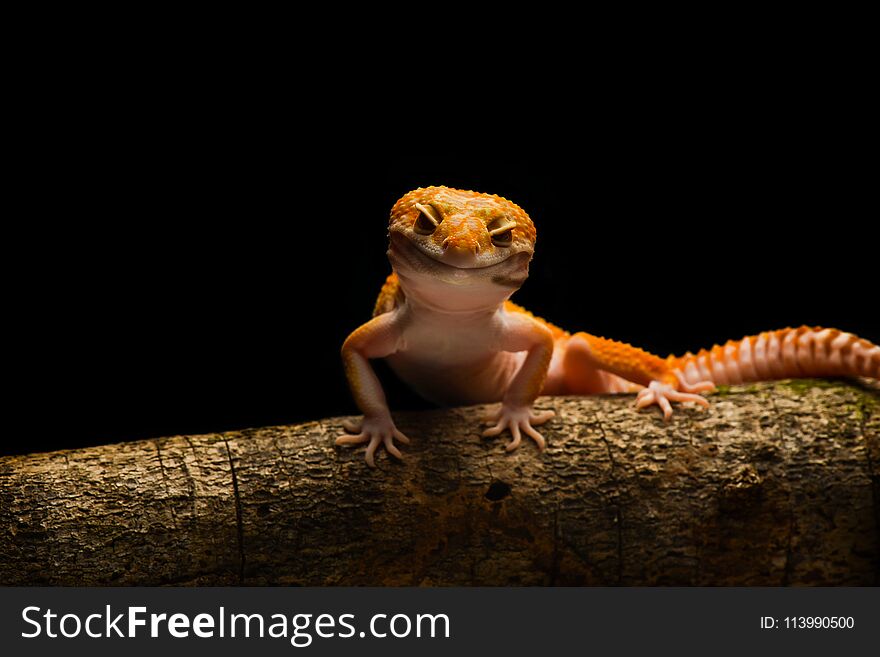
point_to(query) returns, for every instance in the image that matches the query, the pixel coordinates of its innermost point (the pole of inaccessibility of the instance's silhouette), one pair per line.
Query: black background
(185, 285)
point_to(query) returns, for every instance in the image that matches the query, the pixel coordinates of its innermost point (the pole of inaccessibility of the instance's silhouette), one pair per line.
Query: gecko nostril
(445, 244)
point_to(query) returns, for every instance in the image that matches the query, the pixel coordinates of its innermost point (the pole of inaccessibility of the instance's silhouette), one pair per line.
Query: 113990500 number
(819, 622)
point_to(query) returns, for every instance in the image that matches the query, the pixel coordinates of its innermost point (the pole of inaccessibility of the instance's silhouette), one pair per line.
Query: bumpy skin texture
(444, 323)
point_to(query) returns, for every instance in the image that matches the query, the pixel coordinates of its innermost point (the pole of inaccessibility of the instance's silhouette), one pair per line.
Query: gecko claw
(375, 432)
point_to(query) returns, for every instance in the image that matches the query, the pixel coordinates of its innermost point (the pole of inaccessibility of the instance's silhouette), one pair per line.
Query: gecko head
(464, 243)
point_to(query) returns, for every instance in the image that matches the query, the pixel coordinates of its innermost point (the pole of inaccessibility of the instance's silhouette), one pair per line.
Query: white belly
(456, 382)
(452, 363)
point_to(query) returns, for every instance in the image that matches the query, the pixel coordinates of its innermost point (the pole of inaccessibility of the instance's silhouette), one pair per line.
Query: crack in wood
(238, 517)
(166, 481)
(618, 515)
(284, 467)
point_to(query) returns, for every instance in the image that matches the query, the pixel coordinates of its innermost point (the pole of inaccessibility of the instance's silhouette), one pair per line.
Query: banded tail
(786, 353)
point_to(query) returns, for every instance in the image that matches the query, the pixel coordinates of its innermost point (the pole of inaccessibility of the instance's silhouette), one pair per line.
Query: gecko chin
(448, 288)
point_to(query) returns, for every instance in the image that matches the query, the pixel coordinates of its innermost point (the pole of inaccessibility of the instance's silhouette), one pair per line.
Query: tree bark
(776, 484)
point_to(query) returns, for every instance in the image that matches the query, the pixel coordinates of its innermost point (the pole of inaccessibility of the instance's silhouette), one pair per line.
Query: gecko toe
(391, 448)
(666, 406)
(517, 438)
(537, 437)
(644, 400)
(689, 397)
(496, 430)
(352, 440)
(371, 450)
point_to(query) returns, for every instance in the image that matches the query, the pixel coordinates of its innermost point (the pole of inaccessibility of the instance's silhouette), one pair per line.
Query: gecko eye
(503, 239)
(501, 231)
(427, 221)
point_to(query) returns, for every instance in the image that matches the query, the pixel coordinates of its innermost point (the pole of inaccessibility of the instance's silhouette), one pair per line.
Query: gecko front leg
(377, 338)
(522, 333)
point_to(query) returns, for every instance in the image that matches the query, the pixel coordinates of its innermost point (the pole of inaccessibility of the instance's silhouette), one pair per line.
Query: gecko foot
(374, 431)
(662, 393)
(519, 419)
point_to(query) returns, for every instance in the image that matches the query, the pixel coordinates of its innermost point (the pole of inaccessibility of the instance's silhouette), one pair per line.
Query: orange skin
(444, 323)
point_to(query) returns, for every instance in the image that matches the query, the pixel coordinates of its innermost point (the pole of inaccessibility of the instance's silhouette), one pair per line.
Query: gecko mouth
(407, 255)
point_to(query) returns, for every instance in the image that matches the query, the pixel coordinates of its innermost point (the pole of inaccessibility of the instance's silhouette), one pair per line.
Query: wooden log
(776, 484)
